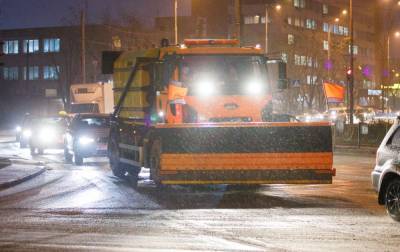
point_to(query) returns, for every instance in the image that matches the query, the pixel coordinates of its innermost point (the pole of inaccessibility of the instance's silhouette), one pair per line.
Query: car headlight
(27, 133)
(18, 129)
(84, 140)
(47, 134)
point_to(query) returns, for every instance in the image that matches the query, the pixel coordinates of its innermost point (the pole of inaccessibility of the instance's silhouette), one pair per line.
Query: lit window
(252, 19)
(311, 80)
(51, 45)
(297, 22)
(325, 9)
(297, 60)
(284, 57)
(10, 73)
(355, 49)
(303, 60)
(325, 27)
(51, 72)
(336, 29)
(31, 46)
(33, 73)
(290, 39)
(289, 20)
(10, 47)
(326, 45)
(310, 24)
(345, 31)
(299, 3)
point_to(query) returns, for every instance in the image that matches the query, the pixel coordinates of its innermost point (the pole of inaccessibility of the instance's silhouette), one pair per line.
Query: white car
(386, 175)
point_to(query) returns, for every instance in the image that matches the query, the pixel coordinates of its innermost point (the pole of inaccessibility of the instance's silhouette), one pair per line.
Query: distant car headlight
(18, 129)
(84, 140)
(47, 134)
(27, 133)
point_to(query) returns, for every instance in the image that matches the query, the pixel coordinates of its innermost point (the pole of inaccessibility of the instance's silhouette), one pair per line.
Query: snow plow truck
(201, 113)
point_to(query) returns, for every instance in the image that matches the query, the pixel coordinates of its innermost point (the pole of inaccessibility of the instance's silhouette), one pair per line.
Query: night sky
(39, 13)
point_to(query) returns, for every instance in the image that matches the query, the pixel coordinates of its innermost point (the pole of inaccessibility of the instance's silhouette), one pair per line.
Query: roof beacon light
(208, 42)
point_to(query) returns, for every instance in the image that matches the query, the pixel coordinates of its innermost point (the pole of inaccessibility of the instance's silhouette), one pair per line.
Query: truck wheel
(392, 199)
(155, 155)
(78, 159)
(67, 156)
(117, 168)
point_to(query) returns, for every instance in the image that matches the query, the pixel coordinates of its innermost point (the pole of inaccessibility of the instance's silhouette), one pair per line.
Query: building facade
(313, 36)
(39, 64)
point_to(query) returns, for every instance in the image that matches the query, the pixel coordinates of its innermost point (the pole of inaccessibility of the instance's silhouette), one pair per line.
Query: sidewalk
(345, 149)
(15, 174)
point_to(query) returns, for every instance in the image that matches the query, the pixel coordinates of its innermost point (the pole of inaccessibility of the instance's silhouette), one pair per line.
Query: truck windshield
(223, 74)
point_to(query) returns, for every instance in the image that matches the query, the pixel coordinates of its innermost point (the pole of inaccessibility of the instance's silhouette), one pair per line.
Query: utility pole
(83, 45)
(351, 82)
(238, 19)
(266, 29)
(176, 21)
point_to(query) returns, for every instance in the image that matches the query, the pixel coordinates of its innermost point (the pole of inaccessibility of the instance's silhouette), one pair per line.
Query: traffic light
(349, 74)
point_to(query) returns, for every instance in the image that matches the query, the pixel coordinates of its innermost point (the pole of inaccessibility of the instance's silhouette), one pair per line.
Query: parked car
(23, 132)
(386, 174)
(87, 136)
(47, 133)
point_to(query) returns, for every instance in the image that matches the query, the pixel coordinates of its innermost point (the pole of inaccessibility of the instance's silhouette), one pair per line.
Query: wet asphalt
(86, 208)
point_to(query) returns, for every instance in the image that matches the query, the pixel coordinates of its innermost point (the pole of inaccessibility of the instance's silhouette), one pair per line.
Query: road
(86, 208)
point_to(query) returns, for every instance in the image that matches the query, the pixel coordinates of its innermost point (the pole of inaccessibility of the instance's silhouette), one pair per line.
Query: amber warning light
(205, 42)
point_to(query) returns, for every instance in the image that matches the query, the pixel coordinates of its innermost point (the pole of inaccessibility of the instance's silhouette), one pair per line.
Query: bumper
(261, 153)
(247, 177)
(47, 145)
(375, 178)
(95, 150)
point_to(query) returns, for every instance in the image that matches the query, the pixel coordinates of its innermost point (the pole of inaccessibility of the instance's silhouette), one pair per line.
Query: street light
(396, 35)
(176, 21)
(277, 8)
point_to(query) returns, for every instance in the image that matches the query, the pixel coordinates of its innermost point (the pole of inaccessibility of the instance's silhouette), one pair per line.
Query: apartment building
(39, 64)
(312, 36)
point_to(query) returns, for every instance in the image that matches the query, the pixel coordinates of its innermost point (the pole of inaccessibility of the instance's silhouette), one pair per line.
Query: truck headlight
(205, 88)
(84, 140)
(254, 88)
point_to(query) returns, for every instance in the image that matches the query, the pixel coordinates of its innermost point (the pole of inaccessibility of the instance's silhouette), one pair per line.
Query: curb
(4, 162)
(355, 150)
(12, 183)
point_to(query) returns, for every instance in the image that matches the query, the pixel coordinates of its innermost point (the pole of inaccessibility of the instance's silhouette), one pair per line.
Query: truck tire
(78, 159)
(392, 199)
(117, 168)
(155, 156)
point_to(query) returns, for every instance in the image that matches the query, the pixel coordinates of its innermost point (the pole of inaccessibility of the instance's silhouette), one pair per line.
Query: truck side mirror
(282, 76)
(282, 84)
(277, 74)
